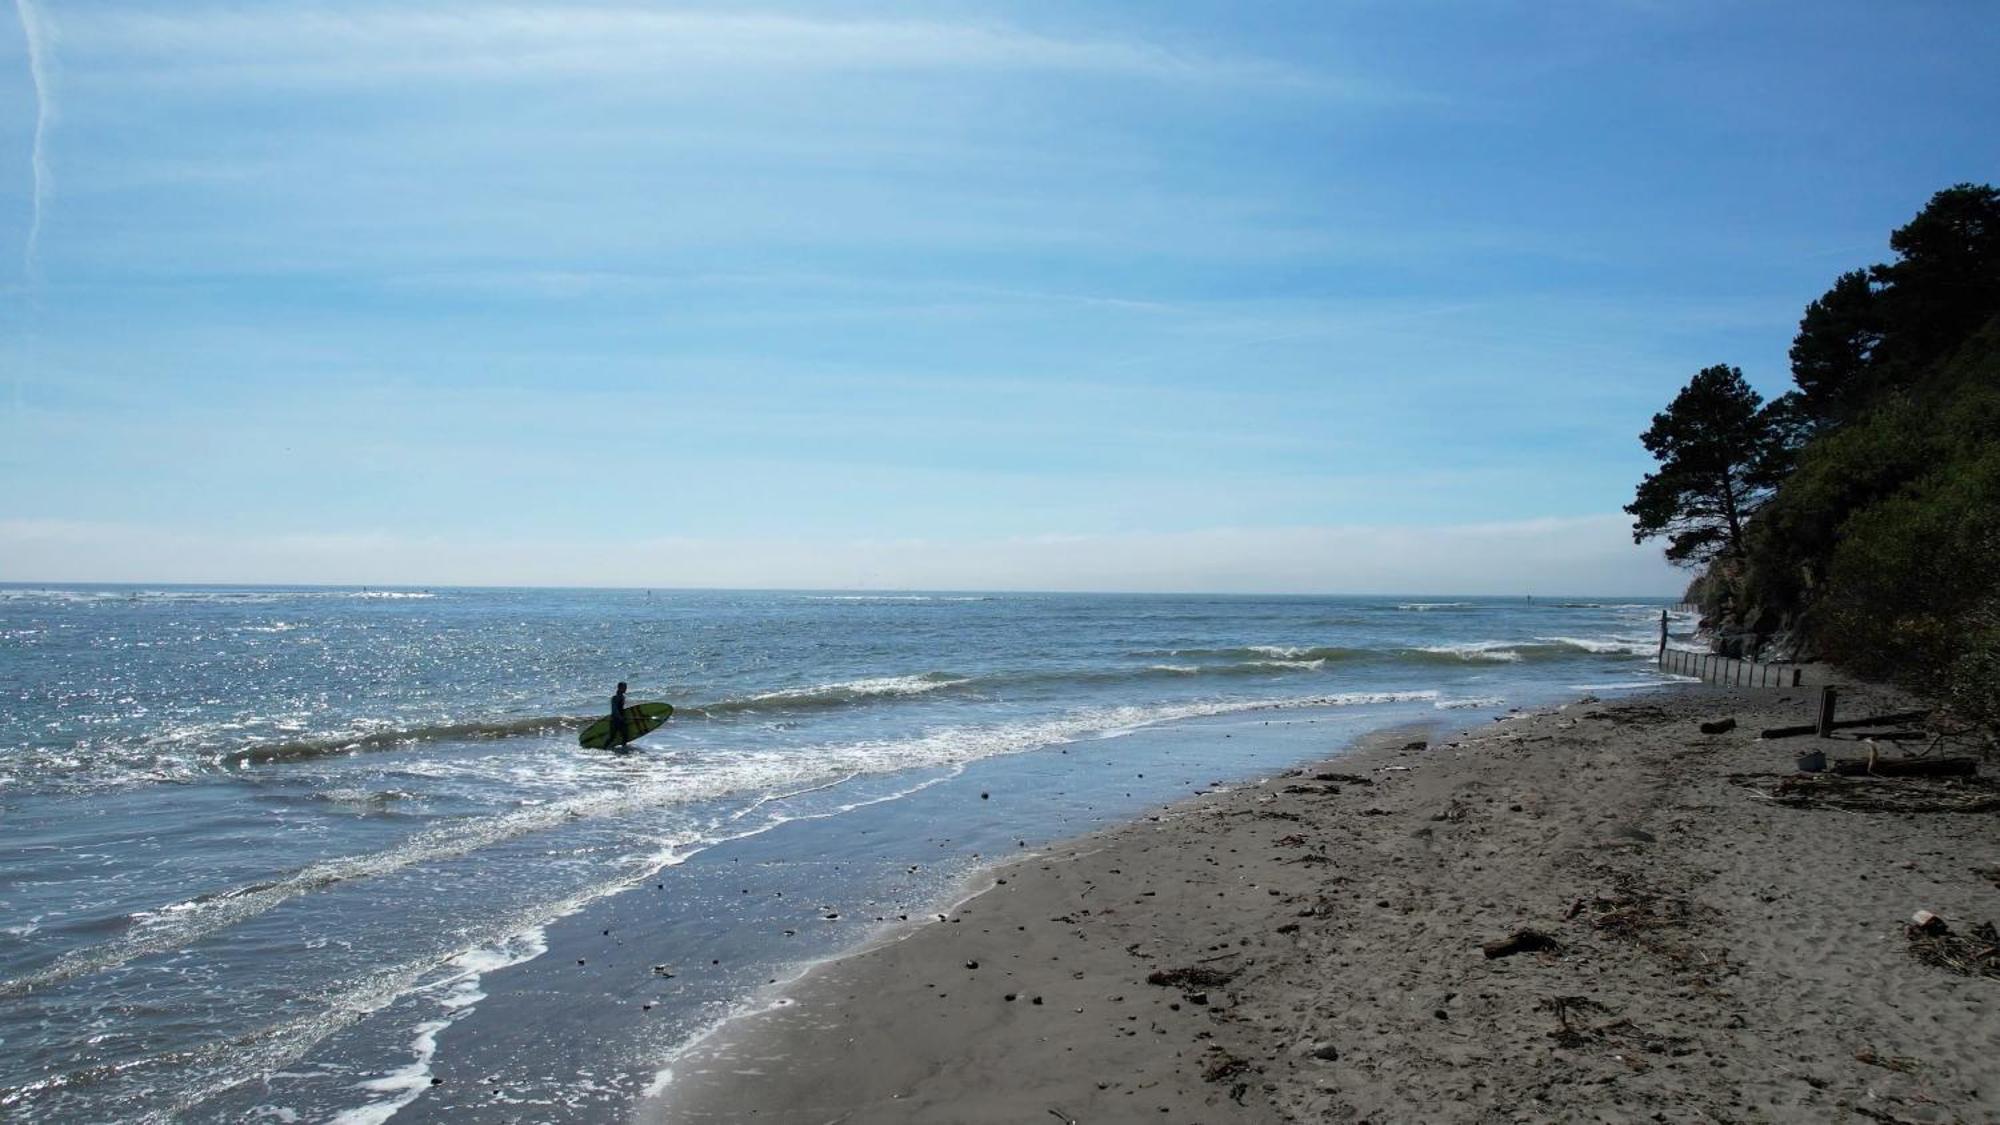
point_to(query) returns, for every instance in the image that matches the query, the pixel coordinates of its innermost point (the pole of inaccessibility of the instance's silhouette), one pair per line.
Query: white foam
(1605, 645)
(406, 1084)
(861, 689)
(1465, 704)
(1499, 652)
(717, 774)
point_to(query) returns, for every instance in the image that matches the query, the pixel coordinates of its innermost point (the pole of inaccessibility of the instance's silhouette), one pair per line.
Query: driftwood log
(1905, 767)
(1847, 724)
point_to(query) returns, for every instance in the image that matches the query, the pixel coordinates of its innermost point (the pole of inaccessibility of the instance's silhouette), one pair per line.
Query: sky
(1330, 296)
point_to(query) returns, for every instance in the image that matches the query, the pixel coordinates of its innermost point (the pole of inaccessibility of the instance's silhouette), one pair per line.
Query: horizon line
(856, 590)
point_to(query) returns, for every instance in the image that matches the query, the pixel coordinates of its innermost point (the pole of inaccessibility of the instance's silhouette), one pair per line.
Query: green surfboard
(639, 718)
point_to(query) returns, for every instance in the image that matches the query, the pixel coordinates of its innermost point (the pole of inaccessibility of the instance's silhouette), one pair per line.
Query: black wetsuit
(620, 732)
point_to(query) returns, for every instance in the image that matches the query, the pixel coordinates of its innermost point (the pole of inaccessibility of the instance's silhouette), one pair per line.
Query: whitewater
(302, 854)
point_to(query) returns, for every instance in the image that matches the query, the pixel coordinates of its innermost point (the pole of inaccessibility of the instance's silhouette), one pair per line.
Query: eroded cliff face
(1736, 626)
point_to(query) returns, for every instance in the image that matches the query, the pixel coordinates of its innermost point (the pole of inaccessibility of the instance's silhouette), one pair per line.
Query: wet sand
(1310, 949)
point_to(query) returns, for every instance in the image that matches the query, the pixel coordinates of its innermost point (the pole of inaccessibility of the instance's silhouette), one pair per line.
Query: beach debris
(1719, 726)
(1419, 744)
(1344, 778)
(1635, 911)
(1326, 1052)
(664, 972)
(1223, 1066)
(1881, 794)
(1878, 766)
(1454, 812)
(1902, 1064)
(1521, 941)
(1057, 1113)
(972, 964)
(1567, 1033)
(1292, 841)
(1313, 790)
(1193, 976)
(1973, 954)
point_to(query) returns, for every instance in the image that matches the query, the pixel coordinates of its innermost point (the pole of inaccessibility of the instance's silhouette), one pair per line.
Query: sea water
(334, 854)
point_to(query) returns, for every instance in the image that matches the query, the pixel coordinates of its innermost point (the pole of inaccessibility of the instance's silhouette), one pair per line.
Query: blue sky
(1368, 297)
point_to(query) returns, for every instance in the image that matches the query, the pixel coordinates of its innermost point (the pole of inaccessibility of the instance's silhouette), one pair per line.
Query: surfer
(620, 732)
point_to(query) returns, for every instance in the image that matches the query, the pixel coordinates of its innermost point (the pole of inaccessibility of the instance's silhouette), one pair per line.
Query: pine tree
(1721, 452)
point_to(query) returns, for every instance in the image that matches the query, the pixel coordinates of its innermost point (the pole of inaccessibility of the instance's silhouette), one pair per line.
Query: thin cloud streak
(350, 46)
(36, 34)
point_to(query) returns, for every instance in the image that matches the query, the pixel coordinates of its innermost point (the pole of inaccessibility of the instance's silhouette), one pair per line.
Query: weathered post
(1827, 696)
(1663, 636)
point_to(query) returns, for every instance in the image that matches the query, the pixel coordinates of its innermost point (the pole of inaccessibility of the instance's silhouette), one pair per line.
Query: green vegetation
(1860, 514)
(1721, 451)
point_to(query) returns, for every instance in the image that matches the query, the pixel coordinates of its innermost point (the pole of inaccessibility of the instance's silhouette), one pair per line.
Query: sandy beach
(1706, 946)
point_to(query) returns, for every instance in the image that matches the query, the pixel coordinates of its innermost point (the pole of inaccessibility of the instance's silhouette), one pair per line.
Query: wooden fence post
(1827, 698)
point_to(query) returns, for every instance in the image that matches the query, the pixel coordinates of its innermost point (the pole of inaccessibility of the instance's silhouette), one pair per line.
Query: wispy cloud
(37, 36)
(360, 44)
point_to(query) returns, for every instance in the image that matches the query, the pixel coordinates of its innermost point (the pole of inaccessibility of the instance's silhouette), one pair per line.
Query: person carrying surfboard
(620, 732)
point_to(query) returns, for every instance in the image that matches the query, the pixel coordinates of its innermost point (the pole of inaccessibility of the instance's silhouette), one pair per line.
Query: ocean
(325, 854)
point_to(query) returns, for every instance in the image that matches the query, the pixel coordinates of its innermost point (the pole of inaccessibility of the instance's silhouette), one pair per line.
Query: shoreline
(774, 995)
(1316, 948)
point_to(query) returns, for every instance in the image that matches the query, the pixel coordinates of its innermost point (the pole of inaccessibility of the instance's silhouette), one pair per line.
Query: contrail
(31, 28)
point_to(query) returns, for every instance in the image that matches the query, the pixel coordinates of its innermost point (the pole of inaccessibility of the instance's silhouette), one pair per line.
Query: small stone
(972, 964)
(1326, 1051)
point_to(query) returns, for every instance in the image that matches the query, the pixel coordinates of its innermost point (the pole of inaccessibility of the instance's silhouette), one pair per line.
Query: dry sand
(1721, 956)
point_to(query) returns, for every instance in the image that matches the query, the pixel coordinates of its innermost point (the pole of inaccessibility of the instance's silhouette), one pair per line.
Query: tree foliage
(1721, 451)
(1877, 538)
